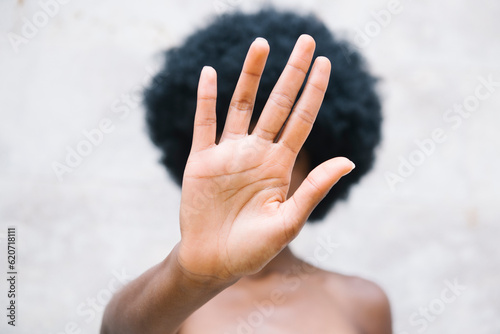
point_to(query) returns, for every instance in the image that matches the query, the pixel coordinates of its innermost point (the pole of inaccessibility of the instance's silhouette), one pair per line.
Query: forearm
(159, 300)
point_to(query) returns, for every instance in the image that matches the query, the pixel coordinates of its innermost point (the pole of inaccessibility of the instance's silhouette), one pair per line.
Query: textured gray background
(117, 211)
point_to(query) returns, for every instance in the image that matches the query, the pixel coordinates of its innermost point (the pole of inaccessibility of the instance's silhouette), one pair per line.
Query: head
(348, 123)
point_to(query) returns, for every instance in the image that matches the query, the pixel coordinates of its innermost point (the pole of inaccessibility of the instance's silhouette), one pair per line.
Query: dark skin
(244, 198)
(313, 301)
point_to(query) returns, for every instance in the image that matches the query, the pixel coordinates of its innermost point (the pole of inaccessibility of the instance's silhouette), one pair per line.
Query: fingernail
(350, 170)
(260, 39)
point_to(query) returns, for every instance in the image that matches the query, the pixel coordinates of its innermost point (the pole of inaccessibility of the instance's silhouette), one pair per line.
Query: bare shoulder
(363, 300)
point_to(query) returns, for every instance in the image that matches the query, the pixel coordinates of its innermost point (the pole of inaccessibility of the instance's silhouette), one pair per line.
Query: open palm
(235, 215)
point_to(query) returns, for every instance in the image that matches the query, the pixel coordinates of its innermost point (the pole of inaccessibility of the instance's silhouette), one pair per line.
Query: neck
(279, 265)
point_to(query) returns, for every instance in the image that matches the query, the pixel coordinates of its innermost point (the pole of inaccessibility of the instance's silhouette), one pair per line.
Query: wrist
(194, 280)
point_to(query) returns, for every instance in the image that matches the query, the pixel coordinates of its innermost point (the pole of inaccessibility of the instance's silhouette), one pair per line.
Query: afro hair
(348, 123)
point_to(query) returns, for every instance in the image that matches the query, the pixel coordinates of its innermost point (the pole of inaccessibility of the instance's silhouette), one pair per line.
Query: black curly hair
(348, 123)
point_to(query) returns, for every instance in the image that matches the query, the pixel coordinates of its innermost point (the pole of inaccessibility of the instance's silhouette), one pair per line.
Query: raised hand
(235, 215)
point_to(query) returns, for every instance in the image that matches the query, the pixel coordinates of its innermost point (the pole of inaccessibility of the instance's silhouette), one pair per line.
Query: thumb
(313, 189)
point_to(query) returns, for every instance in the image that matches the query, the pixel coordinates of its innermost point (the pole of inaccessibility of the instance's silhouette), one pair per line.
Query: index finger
(304, 114)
